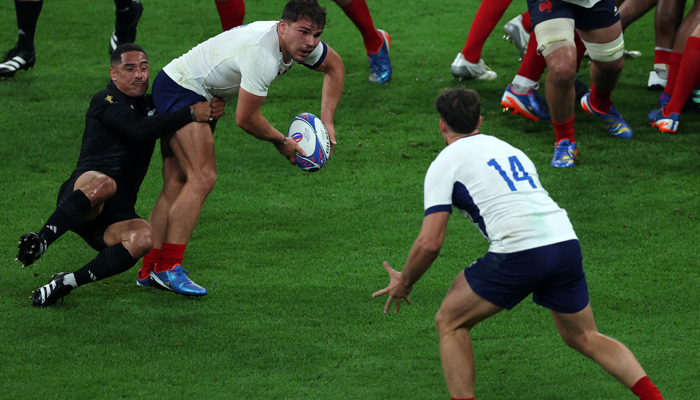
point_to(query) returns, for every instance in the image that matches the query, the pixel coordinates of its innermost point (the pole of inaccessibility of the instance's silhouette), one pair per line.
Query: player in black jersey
(97, 201)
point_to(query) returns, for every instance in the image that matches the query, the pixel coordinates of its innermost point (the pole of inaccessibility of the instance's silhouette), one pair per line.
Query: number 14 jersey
(497, 187)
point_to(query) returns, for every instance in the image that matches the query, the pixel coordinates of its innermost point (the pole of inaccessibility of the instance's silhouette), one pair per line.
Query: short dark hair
(302, 9)
(460, 109)
(125, 48)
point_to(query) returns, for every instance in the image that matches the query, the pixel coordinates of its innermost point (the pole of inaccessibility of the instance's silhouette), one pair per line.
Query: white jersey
(247, 57)
(497, 186)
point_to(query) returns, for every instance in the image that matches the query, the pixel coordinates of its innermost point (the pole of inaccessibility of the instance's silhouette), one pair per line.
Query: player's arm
(423, 253)
(137, 128)
(333, 83)
(250, 119)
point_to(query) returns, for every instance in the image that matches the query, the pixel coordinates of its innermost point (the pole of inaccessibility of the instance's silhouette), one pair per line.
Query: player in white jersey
(238, 64)
(533, 250)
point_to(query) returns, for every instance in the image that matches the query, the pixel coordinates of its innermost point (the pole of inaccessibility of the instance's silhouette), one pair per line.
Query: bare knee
(562, 72)
(203, 180)
(580, 342)
(446, 325)
(100, 188)
(140, 241)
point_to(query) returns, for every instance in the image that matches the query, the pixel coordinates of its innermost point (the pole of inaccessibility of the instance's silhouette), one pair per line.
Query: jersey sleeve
(258, 69)
(316, 58)
(439, 183)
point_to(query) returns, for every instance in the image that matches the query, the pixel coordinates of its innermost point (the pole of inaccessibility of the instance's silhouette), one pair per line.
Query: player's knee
(563, 72)
(207, 179)
(101, 188)
(142, 240)
(608, 53)
(579, 342)
(443, 323)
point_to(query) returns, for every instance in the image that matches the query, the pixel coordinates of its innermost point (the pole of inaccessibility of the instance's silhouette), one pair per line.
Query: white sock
(523, 83)
(69, 279)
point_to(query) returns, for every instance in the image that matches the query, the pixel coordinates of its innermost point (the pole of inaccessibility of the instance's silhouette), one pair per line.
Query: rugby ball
(311, 135)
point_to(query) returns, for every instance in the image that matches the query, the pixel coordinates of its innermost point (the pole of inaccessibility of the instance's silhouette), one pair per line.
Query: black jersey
(120, 135)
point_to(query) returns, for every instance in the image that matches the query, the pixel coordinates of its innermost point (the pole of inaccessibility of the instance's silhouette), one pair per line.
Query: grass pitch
(291, 259)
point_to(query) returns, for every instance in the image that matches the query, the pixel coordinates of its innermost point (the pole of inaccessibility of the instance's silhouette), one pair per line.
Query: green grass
(291, 259)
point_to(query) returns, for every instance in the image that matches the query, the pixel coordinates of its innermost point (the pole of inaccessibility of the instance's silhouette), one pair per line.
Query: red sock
(687, 77)
(580, 50)
(486, 18)
(662, 56)
(231, 13)
(149, 261)
(646, 390)
(564, 130)
(533, 64)
(358, 12)
(170, 256)
(673, 64)
(600, 99)
(527, 23)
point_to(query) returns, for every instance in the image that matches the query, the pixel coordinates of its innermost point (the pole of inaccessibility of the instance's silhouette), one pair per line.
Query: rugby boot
(662, 122)
(515, 33)
(125, 32)
(379, 62)
(31, 248)
(530, 105)
(176, 280)
(51, 292)
(564, 154)
(614, 123)
(16, 60)
(463, 69)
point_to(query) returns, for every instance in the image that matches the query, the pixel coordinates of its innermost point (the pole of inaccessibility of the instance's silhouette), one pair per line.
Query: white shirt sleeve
(439, 183)
(258, 69)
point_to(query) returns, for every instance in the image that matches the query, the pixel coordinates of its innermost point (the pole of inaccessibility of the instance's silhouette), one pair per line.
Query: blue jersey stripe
(440, 208)
(321, 59)
(463, 200)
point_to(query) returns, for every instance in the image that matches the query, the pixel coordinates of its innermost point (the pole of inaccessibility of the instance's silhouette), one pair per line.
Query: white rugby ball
(311, 135)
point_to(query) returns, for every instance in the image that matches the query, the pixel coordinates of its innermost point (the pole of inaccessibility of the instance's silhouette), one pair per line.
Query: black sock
(111, 261)
(70, 212)
(125, 13)
(27, 15)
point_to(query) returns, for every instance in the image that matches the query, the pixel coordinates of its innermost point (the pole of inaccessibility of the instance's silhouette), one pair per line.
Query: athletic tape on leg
(554, 34)
(606, 52)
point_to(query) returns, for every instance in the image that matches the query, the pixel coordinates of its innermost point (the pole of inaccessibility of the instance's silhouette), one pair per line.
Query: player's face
(299, 39)
(131, 75)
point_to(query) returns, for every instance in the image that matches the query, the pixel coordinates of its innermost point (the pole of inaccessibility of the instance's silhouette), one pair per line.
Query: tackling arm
(333, 83)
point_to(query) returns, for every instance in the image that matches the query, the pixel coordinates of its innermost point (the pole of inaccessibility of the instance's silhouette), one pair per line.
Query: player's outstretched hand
(331, 133)
(397, 289)
(289, 150)
(217, 107)
(202, 111)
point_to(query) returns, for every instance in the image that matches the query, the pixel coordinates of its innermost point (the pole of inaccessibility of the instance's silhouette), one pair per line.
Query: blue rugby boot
(145, 282)
(176, 280)
(663, 123)
(379, 62)
(530, 105)
(664, 98)
(615, 124)
(564, 154)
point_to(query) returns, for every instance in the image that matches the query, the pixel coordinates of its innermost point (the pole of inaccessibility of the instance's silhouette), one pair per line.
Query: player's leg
(82, 201)
(668, 17)
(127, 21)
(125, 242)
(231, 13)
(173, 181)
(579, 332)
(460, 311)
(376, 41)
(193, 147)
(521, 96)
(23, 55)
(468, 63)
(666, 119)
(606, 49)
(632, 10)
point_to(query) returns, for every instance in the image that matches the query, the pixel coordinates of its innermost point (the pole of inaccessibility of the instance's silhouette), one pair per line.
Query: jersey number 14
(517, 171)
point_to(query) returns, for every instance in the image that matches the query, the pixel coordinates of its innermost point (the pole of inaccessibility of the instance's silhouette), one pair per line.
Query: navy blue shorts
(602, 15)
(168, 96)
(553, 274)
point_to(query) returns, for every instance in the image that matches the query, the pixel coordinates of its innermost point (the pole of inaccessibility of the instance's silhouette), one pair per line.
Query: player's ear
(481, 119)
(113, 74)
(443, 126)
(283, 26)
